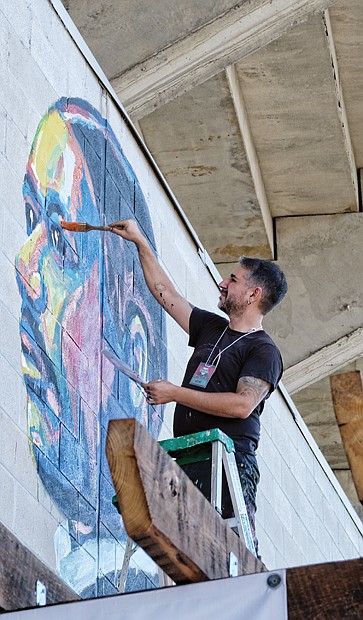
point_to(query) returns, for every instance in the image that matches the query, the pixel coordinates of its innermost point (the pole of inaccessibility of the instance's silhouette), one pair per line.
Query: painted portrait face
(82, 293)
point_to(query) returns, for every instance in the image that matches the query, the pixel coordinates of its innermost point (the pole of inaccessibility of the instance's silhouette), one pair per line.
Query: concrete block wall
(303, 515)
(67, 296)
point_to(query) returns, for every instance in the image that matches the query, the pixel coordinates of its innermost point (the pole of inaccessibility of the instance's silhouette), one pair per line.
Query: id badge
(202, 375)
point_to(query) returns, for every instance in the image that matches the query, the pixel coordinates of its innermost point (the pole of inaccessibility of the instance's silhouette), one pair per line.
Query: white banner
(252, 597)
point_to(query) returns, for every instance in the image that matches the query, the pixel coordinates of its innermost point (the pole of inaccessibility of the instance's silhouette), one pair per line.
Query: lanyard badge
(203, 375)
(205, 371)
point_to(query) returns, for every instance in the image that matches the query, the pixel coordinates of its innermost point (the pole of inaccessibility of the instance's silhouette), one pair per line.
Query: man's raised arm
(156, 279)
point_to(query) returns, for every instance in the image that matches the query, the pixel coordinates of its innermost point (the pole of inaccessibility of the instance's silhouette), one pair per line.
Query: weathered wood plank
(333, 590)
(166, 514)
(19, 571)
(347, 393)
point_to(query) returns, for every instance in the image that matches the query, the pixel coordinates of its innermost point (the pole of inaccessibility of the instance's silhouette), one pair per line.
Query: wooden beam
(242, 118)
(325, 362)
(19, 571)
(166, 514)
(333, 590)
(204, 53)
(347, 393)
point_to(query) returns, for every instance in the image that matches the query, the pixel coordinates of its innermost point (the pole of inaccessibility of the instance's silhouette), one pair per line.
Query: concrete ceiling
(253, 112)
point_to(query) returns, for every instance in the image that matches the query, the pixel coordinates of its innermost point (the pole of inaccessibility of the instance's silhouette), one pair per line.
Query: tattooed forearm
(253, 389)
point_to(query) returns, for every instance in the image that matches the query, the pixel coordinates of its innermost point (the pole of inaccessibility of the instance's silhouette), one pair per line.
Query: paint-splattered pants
(249, 475)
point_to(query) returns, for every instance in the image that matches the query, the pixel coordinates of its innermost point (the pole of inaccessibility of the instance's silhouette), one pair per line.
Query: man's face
(235, 292)
(58, 277)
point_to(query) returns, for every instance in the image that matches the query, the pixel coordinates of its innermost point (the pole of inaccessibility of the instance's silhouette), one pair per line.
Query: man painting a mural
(235, 365)
(74, 303)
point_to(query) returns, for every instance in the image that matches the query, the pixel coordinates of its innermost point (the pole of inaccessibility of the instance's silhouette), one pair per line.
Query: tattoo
(160, 287)
(253, 389)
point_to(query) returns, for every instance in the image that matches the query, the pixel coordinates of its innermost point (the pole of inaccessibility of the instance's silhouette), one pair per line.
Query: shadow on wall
(81, 293)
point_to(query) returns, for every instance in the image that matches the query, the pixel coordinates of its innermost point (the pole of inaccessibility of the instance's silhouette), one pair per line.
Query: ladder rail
(216, 476)
(238, 500)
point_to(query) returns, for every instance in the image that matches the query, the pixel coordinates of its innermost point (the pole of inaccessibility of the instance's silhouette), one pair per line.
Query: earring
(249, 302)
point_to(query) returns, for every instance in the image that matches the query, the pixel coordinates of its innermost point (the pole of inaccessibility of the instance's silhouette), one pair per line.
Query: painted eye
(31, 217)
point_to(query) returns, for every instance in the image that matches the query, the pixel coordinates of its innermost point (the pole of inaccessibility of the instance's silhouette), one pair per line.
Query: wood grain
(347, 393)
(331, 591)
(166, 514)
(19, 571)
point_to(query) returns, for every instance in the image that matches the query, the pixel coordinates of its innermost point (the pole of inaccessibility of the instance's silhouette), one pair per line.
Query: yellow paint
(29, 369)
(50, 143)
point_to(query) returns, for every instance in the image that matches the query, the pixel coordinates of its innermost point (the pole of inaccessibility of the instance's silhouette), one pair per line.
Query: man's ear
(256, 294)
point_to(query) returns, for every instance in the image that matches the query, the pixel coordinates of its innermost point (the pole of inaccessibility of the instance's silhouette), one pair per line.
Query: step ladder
(217, 446)
(211, 445)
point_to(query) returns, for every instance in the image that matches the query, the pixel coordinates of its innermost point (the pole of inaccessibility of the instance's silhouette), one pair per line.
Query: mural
(81, 293)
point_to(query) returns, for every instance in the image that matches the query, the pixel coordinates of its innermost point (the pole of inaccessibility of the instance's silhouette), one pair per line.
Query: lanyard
(218, 356)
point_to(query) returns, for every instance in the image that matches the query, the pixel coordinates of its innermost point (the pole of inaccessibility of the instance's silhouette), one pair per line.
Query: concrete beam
(325, 362)
(204, 53)
(241, 113)
(342, 113)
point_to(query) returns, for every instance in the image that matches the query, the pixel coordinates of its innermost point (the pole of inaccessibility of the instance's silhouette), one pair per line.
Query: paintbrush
(84, 227)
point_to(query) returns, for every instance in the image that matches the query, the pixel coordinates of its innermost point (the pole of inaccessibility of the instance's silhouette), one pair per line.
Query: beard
(232, 306)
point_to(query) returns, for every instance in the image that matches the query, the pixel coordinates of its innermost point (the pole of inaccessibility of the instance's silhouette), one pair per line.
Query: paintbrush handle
(105, 228)
(85, 227)
(89, 227)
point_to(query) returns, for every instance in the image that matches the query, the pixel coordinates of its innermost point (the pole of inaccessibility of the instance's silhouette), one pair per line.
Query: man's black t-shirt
(254, 355)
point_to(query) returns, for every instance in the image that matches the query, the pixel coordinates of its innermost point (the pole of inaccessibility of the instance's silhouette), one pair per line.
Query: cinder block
(16, 148)
(12, 394)
(275, 525)
(10, 292)
(166, 431)
(7, 497)
(280, 439)
(34, 526)
(267, 549)
(266, 422)
(323, 539)
(9, 338)
(15, 102)
(291, 487)
(2, 131)
(45, 14)
(264, 485)
(15, 455)
(298, 467)
(284, 510)
(92, 90)
(14, 236)
(331, 519)
(12, 201)
(18, 15)
(271, 456)
(49, 61)
(107, 555)
(24, 68)
(354, 534)
(4, 43)
(35, 116)
(291, 552)
(306, 454)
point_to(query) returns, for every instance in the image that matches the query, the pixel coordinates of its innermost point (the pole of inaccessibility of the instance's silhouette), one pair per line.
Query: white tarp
(249, 597)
